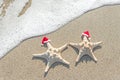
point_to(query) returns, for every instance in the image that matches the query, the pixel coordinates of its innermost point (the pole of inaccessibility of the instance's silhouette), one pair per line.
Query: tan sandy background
(103, 24)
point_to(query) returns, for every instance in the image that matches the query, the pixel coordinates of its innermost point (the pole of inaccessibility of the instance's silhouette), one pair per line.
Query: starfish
(52, 55)
(85, 48)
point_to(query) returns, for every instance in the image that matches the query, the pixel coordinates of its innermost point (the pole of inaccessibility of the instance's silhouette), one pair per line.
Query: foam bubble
(44, 16)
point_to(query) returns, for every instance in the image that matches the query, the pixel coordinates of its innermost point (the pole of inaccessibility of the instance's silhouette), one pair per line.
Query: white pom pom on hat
(45, 40)
(86, 33)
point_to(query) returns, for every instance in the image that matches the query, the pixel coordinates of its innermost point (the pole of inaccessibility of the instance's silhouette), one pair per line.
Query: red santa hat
(86, 33)
(45, 40)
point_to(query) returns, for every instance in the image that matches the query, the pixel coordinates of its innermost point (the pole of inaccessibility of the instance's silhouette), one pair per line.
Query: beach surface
(103, 24)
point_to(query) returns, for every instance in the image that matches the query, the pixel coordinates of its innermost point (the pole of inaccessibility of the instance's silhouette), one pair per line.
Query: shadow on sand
(86, 58)
(52, 66)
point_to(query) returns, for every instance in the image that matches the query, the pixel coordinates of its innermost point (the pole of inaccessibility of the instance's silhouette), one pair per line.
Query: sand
(103, 24)
(6, 3)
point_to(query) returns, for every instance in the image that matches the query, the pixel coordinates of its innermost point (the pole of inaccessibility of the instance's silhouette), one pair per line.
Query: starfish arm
(49, 45)
(42, 55)
(76, 45)
(79, 56)
(63, 61)
(48, 66)
(63, 47)
(92, 56)
(96, 43)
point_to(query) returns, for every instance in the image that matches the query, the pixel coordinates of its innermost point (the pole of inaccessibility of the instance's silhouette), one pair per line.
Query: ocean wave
(42, 17)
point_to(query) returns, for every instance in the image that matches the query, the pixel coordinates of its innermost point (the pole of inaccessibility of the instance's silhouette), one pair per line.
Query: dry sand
(103, 24)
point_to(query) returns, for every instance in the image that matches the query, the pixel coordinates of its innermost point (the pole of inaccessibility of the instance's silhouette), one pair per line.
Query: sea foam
(44, 16)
